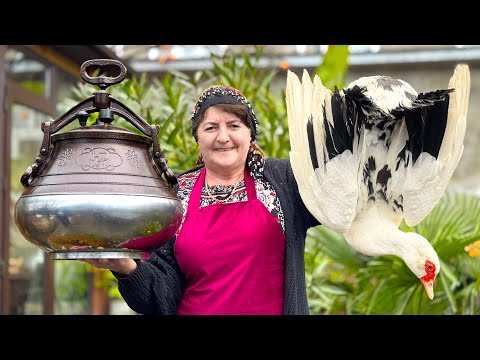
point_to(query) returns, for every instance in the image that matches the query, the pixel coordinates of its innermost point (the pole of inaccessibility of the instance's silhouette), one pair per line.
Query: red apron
(233, 256)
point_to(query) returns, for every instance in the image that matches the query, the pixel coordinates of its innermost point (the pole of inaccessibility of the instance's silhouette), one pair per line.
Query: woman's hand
(121, 266)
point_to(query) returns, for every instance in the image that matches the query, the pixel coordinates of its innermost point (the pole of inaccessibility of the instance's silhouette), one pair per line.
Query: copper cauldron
(97, 191)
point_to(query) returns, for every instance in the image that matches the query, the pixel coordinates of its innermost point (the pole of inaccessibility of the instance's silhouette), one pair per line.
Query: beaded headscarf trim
(223, 94)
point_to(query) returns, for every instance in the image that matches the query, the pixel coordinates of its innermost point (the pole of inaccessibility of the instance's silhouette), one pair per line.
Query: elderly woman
(240, 247)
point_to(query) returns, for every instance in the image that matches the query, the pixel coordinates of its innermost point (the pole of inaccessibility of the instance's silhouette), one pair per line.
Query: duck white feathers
(375, 153)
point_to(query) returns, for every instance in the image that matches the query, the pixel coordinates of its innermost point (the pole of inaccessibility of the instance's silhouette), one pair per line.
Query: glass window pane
(28, 72)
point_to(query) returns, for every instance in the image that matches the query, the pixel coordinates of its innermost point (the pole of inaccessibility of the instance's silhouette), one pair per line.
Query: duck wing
(375, 142)
(435, 145)
(321, 138)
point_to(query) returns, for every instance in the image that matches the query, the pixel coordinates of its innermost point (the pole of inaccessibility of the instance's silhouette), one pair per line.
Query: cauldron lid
(101, 131)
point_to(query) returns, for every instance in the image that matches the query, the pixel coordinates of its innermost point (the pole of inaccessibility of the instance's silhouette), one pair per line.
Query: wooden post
(100, 299)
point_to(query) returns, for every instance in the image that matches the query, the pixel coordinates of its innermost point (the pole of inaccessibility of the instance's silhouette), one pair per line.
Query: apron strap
(251, 193)
(196, 194)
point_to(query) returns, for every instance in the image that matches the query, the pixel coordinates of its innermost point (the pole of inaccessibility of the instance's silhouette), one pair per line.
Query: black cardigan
(157, 284)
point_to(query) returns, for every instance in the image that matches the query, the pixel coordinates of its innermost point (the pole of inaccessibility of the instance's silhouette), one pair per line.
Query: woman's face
(223, 141)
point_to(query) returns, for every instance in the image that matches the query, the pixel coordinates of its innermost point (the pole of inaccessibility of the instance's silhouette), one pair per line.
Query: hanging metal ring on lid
(103, 81)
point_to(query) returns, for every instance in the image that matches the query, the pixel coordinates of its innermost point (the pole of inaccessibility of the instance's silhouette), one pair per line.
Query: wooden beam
(57, 59)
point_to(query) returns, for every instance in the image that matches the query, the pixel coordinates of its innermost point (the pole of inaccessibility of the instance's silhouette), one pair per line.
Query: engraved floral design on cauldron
(99, 159)
(132, 158)
(65, 157)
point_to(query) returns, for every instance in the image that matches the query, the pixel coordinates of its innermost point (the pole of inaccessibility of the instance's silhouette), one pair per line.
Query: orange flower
(473, 249)
(474, 252)
(283, 65)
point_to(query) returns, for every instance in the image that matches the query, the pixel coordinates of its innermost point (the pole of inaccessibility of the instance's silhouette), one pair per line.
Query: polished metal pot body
(100, 195)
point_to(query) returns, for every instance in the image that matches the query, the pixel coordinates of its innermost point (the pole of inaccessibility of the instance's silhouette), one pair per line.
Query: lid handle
(103, 81)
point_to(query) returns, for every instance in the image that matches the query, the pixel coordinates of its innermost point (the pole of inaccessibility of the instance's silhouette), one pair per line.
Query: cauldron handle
(99, 100)
(91, 105)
